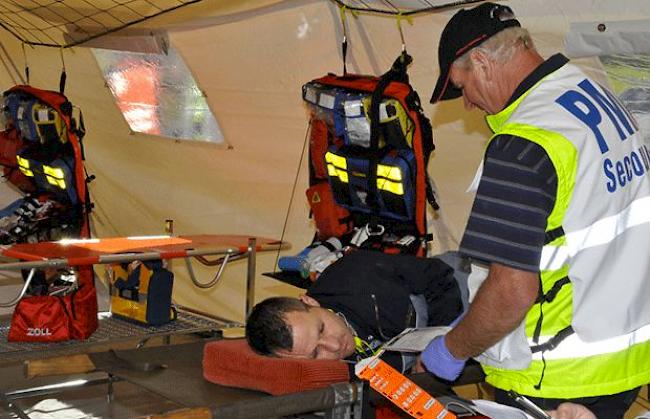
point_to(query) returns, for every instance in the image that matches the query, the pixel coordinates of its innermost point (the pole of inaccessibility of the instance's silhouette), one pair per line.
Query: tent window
(629, 76)
(157, 95)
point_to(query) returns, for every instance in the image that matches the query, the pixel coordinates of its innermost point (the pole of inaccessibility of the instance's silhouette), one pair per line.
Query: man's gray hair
(501, 47)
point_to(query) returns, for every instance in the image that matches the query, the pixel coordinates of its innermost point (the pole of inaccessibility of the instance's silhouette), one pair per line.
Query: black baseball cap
(467, 29)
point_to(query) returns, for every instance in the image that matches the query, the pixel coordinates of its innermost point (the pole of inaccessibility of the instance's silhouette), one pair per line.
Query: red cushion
(231, 362)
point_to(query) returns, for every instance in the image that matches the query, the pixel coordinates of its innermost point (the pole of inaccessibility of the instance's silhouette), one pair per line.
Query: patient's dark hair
(266, 328)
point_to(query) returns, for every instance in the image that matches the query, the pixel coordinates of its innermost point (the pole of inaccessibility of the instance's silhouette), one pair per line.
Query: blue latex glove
(438, 360)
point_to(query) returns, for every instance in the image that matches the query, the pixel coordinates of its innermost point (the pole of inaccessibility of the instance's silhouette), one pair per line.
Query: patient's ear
(310, 301)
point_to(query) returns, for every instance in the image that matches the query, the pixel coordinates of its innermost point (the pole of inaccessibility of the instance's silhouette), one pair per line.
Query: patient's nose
(328, 346)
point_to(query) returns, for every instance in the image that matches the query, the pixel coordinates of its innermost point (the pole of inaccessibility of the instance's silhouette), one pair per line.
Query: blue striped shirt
(514, 199)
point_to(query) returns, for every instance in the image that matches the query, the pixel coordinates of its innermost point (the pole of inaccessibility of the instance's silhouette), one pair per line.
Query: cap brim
(444, 90)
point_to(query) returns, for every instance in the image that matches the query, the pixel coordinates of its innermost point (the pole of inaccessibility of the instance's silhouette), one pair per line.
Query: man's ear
(310, 301)
(482, 63)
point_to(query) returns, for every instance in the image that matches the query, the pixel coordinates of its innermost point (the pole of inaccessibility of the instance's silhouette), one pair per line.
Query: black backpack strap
(431, 197)
(396, 73)
(81, 129)
(62, 80)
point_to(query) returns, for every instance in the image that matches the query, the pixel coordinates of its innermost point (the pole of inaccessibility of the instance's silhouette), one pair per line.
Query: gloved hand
(438, 360)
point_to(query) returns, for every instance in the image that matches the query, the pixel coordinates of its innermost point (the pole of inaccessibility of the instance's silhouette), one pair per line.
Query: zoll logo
(38, 331)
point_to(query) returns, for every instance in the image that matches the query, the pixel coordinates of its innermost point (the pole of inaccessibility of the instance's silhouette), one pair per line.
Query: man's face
(318, 334)
(480, 89)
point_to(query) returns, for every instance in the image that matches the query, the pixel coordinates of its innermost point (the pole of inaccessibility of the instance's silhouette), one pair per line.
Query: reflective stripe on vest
(601, 232)
(574, 347)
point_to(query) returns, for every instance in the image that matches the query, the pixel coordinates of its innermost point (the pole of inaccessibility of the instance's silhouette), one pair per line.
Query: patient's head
(298, 328)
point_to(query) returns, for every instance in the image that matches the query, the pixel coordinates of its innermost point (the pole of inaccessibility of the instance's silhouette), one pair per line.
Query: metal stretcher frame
(77, 253)
(182, 382)
(85, 252)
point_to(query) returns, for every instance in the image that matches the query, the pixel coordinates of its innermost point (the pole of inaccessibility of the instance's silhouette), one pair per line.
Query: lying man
(357, 304)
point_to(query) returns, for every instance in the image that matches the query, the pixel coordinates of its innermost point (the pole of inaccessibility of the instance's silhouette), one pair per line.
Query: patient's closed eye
(321, 331)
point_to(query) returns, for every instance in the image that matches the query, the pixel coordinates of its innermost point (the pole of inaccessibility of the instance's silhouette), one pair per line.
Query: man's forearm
(499, 307)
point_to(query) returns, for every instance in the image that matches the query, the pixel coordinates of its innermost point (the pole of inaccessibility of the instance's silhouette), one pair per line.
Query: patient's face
(318, 334)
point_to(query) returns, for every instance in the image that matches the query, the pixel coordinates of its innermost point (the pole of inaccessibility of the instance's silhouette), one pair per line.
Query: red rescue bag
(52, 318)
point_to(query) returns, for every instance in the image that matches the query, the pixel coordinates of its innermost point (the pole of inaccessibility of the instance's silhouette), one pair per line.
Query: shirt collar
(496, 121)
(543, 70)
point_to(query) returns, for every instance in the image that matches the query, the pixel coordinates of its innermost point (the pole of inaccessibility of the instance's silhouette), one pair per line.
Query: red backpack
(375, 148)
(52, 318)
(42, 154)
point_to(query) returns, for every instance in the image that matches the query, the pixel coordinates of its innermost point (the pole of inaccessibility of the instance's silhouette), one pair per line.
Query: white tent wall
(251, 60)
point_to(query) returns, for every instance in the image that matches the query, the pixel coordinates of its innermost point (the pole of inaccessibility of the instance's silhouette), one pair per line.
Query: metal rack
(111, 330)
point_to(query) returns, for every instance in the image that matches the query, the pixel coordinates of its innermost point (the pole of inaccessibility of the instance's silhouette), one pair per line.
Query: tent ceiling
(65, 23)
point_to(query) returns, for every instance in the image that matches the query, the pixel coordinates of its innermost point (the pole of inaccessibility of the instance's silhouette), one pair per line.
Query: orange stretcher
(81, 252)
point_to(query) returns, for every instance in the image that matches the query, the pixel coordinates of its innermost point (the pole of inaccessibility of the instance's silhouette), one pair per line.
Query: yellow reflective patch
(390, 186)
(53, 171)
(389, 172)
(23, 165)
(337, 161)
(27, 172)
(333, 171)
(337, 166)
(54, 176)
(343, 175)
